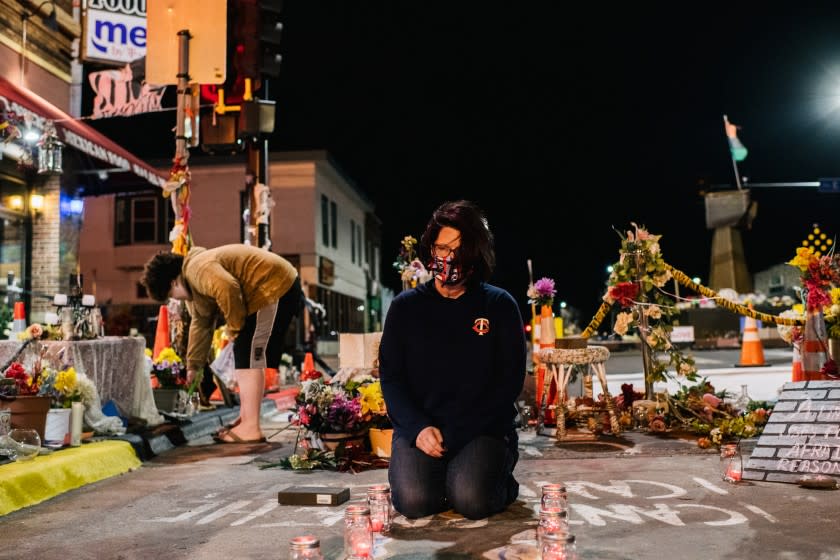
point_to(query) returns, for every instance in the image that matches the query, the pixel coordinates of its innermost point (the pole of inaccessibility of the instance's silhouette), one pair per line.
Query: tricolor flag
(739, 152)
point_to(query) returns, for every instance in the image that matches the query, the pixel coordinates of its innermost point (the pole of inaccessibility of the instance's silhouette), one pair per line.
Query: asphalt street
(634, 496)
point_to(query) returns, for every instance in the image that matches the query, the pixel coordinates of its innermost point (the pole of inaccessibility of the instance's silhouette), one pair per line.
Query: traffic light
(243, 47)
(271, 29)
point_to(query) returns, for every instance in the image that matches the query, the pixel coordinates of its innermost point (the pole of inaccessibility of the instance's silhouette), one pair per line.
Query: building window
(325, 221)
(359, 242)
(334, 223)
(353, 241)
(142, 219)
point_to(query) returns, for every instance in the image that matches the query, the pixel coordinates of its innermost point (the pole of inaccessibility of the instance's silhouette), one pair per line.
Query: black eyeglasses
(443, 251)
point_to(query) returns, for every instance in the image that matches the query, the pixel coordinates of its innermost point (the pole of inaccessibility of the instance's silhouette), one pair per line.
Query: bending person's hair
(159, 273)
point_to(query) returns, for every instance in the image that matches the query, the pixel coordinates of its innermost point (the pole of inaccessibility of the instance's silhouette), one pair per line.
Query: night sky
(563, 123)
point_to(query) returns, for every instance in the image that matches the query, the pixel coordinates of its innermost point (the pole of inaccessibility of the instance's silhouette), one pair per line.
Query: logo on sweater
(481, 326)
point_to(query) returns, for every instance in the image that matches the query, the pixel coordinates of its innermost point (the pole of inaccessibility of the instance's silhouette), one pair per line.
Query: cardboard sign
(802, 435)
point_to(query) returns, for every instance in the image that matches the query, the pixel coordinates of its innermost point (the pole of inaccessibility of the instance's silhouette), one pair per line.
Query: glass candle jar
(731, 464)
(358, 536)
(557, 546)
(554, 497)
(552, 521)
(307, 547)
(379, 502)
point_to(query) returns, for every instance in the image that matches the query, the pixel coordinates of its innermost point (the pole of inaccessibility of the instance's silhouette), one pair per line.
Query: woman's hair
(476, 253)
(159, 273)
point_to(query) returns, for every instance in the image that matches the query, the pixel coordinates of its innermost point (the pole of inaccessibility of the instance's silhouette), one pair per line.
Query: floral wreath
(635, 285)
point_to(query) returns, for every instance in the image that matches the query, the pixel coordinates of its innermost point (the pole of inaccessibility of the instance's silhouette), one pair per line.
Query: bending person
(452, 364)
(256, 292)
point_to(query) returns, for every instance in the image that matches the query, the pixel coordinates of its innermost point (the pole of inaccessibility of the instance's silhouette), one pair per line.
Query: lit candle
(733, 473)
(361, 545)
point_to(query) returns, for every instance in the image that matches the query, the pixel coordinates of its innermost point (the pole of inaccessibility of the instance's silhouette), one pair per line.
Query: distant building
(321, 222)
(39, 214)
(778, 280)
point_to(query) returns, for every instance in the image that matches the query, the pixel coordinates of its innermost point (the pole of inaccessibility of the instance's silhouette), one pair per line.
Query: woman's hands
(430, 442)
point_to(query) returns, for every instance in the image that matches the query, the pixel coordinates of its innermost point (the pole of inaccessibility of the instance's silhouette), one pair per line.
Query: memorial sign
(802, 435)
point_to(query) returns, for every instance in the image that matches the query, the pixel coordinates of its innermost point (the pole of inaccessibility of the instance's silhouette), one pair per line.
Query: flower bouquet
(168, 370)
(820, 278)
(542, 292)
(412, 271)
(374, 408)
(324, 407)
(336, 417)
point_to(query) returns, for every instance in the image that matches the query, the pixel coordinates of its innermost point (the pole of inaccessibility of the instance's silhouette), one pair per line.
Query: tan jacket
(233, 281)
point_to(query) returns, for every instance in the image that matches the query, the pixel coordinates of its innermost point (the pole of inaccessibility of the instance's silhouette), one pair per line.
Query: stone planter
(169, 400)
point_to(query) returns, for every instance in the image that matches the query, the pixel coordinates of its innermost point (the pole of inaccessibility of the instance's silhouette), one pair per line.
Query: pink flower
(711, 400)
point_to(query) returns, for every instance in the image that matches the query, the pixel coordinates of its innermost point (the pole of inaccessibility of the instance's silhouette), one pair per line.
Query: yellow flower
(65, 381)
(372, 400)
(804, 257)
(148, 352)
(168, 355)
(835, 296)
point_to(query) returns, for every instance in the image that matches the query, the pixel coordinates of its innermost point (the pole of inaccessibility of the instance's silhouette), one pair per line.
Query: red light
(240, 48)
(528, 327)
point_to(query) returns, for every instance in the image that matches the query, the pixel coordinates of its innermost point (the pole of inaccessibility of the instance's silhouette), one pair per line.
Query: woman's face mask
(446, 269)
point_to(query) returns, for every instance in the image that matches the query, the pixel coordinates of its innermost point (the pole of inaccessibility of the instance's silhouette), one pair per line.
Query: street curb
(155, 440)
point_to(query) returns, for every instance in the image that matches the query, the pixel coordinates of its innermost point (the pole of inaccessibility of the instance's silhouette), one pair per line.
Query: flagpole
(732, 155)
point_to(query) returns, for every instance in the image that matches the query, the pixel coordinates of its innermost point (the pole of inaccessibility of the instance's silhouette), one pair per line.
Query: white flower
(86, 389)
(622, 323)
(653, 311)
(661, 279)
(686, 369)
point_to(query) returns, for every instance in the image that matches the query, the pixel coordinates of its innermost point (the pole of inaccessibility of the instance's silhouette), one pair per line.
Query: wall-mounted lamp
(36, 203)
(16, 202)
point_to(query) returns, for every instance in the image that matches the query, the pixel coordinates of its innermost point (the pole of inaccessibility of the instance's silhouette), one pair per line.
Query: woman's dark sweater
(440, 368)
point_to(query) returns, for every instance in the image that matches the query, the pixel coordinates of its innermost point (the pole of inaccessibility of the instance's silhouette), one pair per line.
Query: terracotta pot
(380, 441)
(28, 412)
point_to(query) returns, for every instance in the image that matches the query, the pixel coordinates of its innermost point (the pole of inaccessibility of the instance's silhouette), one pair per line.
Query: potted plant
(64, 387)
(331, 413)
(169, 380)
(373, 407)
(19, 392)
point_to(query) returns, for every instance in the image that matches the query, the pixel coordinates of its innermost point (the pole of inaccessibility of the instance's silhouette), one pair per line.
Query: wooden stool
(560, 362)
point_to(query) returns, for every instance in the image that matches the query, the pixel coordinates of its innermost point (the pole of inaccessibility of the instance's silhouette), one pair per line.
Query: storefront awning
(76, 134)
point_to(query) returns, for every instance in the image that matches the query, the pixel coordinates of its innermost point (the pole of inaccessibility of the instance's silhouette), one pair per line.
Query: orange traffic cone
(814, 349)
(308, 371)
(752, 351)
(797, 373)
(162, 332)
(19, 318)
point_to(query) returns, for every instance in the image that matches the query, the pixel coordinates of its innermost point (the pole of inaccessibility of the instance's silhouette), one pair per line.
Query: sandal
(219, 438)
